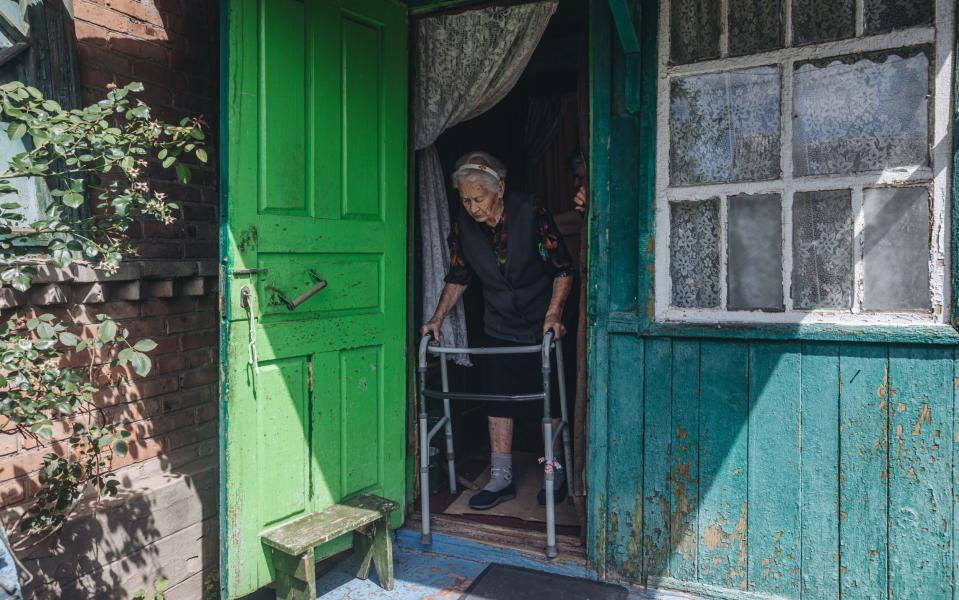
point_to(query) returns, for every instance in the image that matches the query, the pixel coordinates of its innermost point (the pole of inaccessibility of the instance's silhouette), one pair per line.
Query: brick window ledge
(135, 280)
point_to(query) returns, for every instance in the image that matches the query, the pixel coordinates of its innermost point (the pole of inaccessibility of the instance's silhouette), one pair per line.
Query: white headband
(479, 167)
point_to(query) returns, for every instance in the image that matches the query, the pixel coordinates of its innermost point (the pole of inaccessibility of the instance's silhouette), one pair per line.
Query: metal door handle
(292, 304)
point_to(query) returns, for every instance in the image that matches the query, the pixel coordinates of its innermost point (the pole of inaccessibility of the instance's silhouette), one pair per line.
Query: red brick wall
(171, 46)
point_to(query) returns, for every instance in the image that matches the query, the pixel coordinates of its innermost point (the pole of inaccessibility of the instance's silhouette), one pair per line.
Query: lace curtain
(464, 64)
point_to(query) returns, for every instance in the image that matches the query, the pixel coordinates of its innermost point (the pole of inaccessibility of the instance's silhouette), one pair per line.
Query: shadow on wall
(163, 526)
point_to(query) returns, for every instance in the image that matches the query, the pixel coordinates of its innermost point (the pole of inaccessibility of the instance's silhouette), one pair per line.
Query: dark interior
(535, 130)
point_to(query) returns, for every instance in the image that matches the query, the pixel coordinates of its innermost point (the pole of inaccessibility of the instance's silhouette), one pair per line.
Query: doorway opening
(538, 131)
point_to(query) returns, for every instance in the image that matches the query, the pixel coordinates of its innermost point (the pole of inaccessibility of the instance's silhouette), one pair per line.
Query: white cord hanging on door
(246, 300)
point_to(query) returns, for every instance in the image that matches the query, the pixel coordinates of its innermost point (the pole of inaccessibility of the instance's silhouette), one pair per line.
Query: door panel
(316, 187)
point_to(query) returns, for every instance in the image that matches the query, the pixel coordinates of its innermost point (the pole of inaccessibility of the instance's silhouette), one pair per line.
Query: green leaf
(201, 154)
(120, 447)
(141, 364)
(17, 132)
(45, 331)
(169, 161)
(183, 173)
(10, 205)
(50, 105)
(108, 330)
(73, 199)
(197, 133)
(145, 345)
(68, 339)
(125, 356)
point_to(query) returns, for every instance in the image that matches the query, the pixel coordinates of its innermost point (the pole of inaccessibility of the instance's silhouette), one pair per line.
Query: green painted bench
(293, 543)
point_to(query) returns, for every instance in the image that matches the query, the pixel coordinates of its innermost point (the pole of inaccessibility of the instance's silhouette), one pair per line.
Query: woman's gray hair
(479, 167)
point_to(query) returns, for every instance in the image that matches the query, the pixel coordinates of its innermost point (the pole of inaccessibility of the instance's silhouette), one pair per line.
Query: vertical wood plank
(955, 474)
(820, 471)
(723, 442)
(600, 29)
(657, 434)
(684, 461)
(920, 488)
(863, 471)
(625, 478)
(774, 468)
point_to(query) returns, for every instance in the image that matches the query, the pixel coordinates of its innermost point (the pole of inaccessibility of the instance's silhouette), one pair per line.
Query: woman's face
(481, 204)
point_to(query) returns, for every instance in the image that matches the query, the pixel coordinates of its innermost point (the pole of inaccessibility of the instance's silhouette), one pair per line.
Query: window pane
(896, 249)
(694, 253)
(822, 249)
(861, 113)
(754, 26)
(822, 20)
(887, 15)
(694, 30)
(755, 252)
(725, 127)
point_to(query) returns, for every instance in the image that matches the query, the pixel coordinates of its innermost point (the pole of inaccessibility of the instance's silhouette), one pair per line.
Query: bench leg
(376, 547)
(295, 576)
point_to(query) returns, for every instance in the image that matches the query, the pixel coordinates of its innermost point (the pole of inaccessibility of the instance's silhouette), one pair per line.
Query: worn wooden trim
(625, 22)
(631, 323)
(597, 308)
(952, 216)
(226, 267)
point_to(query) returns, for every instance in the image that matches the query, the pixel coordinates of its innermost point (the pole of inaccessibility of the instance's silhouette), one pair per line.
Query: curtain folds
(464, 64)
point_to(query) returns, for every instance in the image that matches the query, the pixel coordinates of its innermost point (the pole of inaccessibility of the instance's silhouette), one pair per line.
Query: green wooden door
(315, 142)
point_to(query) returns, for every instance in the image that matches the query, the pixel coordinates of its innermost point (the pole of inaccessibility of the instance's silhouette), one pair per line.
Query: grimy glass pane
(725, 127)
(693, 30)
(822, 250)
(888, 15)
(755, 26)
(694, 253)
(823, 20)
(861, 113)
(755, 264)
(896, 249)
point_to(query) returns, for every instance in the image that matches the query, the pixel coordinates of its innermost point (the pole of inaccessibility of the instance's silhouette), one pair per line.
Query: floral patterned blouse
(552, 249)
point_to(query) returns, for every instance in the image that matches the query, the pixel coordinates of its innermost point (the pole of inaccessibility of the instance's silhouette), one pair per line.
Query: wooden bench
(293, 544)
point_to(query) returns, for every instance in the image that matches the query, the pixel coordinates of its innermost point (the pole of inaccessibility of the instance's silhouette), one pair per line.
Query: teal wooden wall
(801, 462)
(813, 469)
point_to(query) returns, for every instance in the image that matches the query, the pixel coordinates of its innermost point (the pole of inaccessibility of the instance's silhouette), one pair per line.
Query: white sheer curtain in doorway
(464, 64)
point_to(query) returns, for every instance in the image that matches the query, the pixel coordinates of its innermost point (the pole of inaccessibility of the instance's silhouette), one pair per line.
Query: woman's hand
(555, 324)
(579, 200)
(432, 327)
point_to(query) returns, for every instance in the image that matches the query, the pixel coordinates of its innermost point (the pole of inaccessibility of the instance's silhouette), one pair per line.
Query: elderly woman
(515, 250)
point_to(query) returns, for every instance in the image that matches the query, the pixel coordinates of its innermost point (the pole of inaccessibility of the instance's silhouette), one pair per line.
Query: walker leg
(450, 456)
(548, 465)
(564, 413)
(426, 537)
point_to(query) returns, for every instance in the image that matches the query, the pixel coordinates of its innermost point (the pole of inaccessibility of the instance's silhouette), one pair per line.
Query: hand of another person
(555, 324)
(432, 327)
(579, 200)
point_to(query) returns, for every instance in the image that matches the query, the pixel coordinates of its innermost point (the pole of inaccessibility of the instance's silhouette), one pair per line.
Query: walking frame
(549, 436)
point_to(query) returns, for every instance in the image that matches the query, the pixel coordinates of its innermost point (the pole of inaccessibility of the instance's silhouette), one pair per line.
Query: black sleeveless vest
(516, 301)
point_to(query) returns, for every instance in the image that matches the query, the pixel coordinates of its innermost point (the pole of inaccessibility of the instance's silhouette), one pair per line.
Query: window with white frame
(803, 160)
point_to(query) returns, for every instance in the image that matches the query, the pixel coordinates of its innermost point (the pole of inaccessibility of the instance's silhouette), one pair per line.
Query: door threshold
(523, 540)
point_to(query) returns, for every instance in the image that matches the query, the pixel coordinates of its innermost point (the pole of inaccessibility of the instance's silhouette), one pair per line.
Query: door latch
(292, 304)
(246, 301)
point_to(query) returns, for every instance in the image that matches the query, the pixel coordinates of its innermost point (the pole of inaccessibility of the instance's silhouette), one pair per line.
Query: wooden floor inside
(529, 541)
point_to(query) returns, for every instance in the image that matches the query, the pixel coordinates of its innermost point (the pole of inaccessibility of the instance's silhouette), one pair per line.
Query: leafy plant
(105, 150)
(159, 586)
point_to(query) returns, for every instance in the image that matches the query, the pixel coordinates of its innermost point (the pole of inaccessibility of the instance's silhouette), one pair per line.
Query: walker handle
(424, 344)
(547, 345)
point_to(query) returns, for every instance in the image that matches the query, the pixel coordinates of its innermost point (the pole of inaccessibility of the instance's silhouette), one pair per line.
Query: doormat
(505, 582)
(528, 478)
